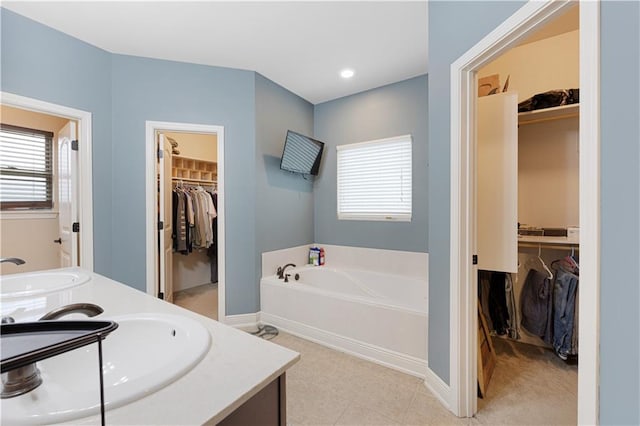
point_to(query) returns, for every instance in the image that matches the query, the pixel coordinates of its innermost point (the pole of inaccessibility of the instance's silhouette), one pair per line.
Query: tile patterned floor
(530, 386)
(202, 299)
(327, 387)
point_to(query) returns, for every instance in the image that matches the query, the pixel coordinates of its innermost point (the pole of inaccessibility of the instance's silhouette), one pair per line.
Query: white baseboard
(438, 388)
(245, 322)
(401, 362)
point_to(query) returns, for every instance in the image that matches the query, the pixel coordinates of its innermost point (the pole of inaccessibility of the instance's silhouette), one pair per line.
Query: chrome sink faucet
(14, 260)
(25, 379)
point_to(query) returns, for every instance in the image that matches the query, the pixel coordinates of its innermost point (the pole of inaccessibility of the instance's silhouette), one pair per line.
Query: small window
(374, 180)
(26, 168)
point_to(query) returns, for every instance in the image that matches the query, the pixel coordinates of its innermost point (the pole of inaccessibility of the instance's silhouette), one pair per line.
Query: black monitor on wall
(301, 154)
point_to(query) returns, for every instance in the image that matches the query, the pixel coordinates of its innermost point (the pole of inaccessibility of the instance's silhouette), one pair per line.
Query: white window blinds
(374, 180)
(26, 164)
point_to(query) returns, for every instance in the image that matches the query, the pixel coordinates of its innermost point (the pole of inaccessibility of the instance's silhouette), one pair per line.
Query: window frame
(385, 217)
(33, 206)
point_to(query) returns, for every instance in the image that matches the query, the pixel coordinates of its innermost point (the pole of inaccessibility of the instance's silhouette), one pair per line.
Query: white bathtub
(380, 317)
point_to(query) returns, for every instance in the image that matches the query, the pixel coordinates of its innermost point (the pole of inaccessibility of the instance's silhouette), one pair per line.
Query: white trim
(400, 138)
(28, 215)
(438, 388)
(388, 358)
(151, 127)
(463, 329)
(85, 166)
(589, 302)
(244, 322)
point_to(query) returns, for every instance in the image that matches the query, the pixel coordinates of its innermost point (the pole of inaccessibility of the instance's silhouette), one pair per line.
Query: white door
(497, 183)
(67, 195)
(165, 242)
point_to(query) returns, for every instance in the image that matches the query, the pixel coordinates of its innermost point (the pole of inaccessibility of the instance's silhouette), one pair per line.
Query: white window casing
(374, 180)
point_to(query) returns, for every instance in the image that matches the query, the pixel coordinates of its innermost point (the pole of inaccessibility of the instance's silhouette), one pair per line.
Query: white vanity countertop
(236, 367)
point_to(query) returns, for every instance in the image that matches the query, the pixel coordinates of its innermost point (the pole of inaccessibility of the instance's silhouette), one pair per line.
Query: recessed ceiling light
(347, 73)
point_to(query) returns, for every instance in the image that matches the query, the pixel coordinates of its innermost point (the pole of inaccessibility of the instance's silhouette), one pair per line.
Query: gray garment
(513, 331)
(534, 303)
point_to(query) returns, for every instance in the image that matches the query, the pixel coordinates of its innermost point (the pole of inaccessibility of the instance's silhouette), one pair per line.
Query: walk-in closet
(527, 157)
(188, 245)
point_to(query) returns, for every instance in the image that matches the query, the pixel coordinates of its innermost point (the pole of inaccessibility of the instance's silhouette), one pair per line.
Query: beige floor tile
(202, 299)
(530, 386)
(358, 367)
(389, 398)
(355, 415)
(309, 404)
(427, 410)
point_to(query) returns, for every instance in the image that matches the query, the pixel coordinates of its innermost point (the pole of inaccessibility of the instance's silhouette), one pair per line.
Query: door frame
(462, 397)
(152, 201)
(84, 179)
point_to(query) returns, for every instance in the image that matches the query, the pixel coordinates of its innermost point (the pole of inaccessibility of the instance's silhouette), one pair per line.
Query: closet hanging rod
(205, 182)
(557, 246)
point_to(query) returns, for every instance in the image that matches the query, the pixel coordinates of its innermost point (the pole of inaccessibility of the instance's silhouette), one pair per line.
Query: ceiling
(569, 21)
(300, 45)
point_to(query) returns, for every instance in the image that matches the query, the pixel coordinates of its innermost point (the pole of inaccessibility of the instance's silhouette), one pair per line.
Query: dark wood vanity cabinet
(267, 407)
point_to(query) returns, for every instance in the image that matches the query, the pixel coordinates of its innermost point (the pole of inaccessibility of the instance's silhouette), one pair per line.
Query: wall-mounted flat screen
(301, 154)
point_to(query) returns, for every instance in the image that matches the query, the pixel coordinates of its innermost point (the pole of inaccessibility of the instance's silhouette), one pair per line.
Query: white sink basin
(38, 283)
(145, 353)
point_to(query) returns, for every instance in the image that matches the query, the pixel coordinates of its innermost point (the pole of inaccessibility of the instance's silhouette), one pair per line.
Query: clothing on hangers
(564, 303)
(193, 215)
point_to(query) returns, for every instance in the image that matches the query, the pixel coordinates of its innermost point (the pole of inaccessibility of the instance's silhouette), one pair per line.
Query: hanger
(544, 265)
(571, 259)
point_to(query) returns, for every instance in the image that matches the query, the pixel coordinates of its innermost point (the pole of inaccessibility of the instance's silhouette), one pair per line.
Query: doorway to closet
(188, 238)
(463, 382)
(527, 222)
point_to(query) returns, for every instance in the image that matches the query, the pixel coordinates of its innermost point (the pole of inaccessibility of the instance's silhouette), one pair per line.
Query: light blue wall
(620, 249)
(41, 63)
(149, 89)
(284, 201)
(392, 110)
(454, 27)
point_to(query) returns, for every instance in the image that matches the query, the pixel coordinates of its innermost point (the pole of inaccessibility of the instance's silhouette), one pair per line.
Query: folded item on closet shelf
(552, 98)
(172, 141)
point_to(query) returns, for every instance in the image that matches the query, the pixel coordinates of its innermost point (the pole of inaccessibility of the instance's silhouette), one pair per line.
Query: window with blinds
(374, 180)
(26, 168)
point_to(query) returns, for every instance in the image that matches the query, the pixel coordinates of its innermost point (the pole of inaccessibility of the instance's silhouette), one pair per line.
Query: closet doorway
(527, 175)
(464, 292)
(187, 225)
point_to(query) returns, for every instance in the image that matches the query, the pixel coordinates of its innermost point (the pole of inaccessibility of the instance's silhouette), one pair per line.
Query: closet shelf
(192, 169)
(549, 114)
(538, 239)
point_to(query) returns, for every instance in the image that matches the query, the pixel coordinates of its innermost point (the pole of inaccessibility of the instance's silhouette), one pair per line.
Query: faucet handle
(8, 320)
